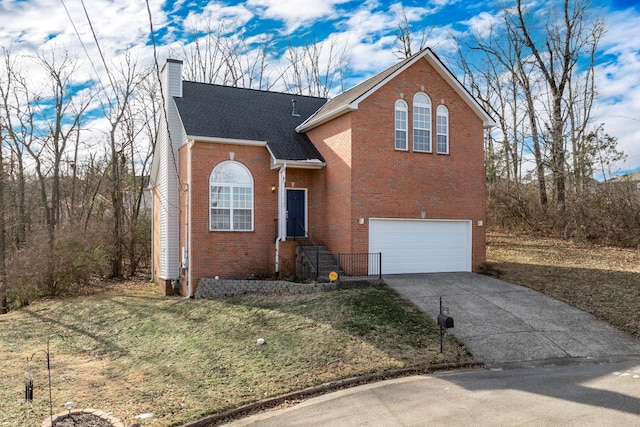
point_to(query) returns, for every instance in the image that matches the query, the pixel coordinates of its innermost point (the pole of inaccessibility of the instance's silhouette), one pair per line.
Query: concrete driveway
(502, 323)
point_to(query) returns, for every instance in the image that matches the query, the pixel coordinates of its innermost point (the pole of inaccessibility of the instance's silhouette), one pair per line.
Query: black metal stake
(441, 328)
(29, 383)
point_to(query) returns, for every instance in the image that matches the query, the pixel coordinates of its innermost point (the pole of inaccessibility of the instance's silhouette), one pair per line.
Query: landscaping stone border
(216, 288)
(115, 422)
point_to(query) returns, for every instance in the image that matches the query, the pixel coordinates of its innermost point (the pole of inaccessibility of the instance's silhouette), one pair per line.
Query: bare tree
(50, 144)
(140, 124)
(217, 55)
(125, 79)
(567, 33)
(17, 125)
(404, 47)
(316, 68)
(582, 93)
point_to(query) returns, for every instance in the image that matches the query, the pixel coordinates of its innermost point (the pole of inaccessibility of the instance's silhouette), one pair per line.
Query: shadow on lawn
(374, 314)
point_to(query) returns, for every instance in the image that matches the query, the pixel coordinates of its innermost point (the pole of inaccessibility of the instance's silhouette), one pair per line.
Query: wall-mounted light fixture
(423, 213)
(273, 188)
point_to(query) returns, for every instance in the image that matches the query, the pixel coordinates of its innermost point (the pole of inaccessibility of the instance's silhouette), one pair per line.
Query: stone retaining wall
(212, 288)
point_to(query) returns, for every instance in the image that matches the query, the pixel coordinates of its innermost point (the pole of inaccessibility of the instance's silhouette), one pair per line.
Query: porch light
(273, 188)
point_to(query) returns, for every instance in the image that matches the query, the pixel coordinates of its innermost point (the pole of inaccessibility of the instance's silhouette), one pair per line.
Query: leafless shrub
(608, 213)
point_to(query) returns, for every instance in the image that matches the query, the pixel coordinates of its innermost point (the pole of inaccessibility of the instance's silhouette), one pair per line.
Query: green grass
(134, 351)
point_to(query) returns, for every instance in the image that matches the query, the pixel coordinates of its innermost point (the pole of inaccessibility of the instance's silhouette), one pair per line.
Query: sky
(366, 29)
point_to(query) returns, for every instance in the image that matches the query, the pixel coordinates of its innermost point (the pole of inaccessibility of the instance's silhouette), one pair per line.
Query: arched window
(401, 125)
(442, 130)
(421, 122)
(231, 197)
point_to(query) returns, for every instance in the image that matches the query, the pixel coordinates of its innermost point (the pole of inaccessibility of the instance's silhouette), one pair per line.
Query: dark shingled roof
(216, 111)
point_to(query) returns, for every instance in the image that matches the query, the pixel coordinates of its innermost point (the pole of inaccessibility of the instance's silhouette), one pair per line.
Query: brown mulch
(81, 420)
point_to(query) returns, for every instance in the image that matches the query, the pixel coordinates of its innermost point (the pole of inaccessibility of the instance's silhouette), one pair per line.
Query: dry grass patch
(602, 280)
(134, 352)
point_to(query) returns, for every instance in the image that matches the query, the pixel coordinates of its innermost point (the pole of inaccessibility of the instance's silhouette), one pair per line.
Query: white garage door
(421, 246)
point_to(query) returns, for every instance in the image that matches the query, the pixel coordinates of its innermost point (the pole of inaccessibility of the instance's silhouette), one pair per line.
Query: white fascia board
(232, 141)
(295, 164)
(316, 121)
(298, 164)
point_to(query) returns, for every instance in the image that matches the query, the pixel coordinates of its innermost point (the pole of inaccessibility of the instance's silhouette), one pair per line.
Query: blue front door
(296, 204)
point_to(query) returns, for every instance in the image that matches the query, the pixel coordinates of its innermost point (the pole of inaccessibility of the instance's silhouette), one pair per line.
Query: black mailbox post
(445, 322)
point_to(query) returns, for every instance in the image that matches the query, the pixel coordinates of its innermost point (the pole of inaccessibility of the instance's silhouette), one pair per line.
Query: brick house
(393, 165)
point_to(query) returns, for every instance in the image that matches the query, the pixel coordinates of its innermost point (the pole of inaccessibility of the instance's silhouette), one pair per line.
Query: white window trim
(429, 117)
(231, 209)
(401, 105)
(438, 133)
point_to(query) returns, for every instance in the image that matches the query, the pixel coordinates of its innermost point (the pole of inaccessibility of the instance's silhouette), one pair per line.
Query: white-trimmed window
(401, 125)
(231, 197)
(442, 130)
(421, 123)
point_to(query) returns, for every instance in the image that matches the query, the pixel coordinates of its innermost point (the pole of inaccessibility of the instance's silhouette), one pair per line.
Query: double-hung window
(231, 198)
(421, 122)
(442, 130)
(401, 125)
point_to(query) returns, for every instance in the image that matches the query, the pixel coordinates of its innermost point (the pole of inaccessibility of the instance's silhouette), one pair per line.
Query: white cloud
(296, 13)
(483, 24)
(214, 14)
(618, 85)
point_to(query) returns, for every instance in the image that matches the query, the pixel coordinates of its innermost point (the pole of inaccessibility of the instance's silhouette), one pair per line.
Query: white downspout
(282, 235)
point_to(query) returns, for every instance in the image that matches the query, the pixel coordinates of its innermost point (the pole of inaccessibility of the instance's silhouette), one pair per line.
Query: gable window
(231, 198)
(421, 122)
(401, 125)
(442, 130)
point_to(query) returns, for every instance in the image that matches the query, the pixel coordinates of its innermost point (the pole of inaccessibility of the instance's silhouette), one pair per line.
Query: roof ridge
(254, 90)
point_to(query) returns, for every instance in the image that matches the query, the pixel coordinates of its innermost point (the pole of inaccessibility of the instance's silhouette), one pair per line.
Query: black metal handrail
(359, 266)
(297, 226)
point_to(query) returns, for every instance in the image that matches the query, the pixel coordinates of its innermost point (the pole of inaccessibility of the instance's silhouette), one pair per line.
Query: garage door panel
(421, 246)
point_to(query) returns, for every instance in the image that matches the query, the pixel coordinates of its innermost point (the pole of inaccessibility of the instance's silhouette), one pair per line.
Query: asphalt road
(570, 395)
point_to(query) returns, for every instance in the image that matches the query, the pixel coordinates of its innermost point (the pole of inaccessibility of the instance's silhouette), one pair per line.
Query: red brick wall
(387, 183)
(365, 177)
(231, 254)
(334, 184)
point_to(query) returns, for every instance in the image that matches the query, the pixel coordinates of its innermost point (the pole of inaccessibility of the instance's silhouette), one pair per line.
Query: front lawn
(133, 351)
